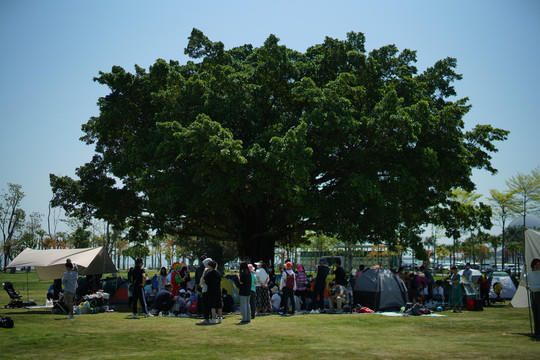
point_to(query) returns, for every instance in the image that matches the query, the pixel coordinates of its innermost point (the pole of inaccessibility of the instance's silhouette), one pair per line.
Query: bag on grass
(412, 309)
(425, 311)
(193, 304)
(6, 322)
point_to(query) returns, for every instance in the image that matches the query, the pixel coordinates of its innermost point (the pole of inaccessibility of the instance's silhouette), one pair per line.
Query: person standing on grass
(138, 280)
(320, 285)
(456, 295)
(483, 284)
(203, 298)
(288, 287)
(70, 286)
(198, 275)
(244, 291)
(301, 286)
(252, 304)
(212, 278)
(263, 295)
(533, 285)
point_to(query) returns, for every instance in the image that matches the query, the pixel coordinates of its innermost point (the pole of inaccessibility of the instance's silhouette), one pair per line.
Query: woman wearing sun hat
(287, 287)
(262, 299)
(301, 286)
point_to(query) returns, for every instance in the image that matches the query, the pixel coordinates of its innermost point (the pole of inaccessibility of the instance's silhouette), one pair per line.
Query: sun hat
(206, 261)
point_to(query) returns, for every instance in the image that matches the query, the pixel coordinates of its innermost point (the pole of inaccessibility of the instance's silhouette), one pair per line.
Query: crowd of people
(259, 293)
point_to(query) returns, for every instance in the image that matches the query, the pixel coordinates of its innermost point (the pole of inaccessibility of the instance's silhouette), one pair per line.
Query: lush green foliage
(258, 145)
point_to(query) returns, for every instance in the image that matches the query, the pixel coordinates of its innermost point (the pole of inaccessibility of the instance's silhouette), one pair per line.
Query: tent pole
(27, 294)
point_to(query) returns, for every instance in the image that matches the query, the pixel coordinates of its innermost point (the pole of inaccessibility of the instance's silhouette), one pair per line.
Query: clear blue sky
(51, 50)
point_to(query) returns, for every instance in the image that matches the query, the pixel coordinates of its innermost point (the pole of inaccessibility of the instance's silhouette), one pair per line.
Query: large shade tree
(259, 144)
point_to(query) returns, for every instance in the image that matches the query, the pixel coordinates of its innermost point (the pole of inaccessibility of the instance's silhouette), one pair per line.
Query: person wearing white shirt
(262, 297)
(533, 285)
(276, 300)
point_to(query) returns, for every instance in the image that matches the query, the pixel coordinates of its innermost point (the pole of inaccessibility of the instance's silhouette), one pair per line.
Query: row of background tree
(521, 198)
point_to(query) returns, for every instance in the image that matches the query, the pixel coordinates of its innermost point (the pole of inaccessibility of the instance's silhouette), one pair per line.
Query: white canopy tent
(50, 264)
(532, 251)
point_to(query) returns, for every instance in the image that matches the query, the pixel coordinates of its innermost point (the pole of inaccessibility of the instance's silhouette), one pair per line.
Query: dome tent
(380, 290)
(508, 282)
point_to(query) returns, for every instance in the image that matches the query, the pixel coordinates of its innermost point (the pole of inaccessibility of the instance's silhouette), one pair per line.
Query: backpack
(193, 305)
(412, 309)
(290, 281)
(6, 322)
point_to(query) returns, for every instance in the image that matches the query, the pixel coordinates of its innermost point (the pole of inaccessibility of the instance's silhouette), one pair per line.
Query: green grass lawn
(500, 332)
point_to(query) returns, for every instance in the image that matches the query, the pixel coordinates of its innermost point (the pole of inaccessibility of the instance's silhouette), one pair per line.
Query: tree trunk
(254, 249)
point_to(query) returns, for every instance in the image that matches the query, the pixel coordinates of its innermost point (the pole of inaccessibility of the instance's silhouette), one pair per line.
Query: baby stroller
(15, 297)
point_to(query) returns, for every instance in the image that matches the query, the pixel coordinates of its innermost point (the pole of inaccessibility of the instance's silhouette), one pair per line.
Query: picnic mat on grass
(39, 307)
(400, 314)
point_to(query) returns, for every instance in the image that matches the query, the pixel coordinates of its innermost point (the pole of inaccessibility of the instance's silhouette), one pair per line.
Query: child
(228, 301)
(148, 288)
(70, 286)
(497, 289)
(438, 292)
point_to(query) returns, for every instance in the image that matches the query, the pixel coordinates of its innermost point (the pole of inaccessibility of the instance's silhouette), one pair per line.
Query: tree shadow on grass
(29, 312)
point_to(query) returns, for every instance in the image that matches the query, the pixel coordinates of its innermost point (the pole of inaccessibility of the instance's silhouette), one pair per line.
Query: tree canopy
(257, 145)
